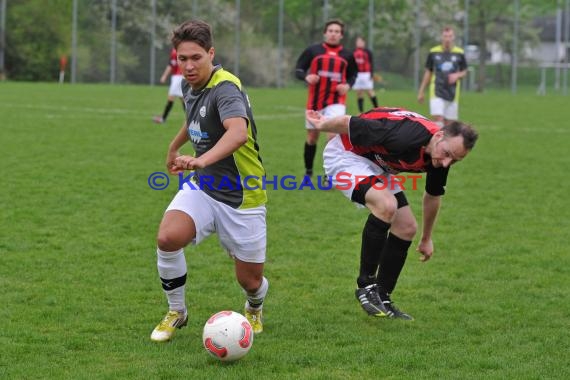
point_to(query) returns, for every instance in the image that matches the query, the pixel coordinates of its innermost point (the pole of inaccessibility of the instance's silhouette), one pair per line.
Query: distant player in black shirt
(445, 66)
(363, 160)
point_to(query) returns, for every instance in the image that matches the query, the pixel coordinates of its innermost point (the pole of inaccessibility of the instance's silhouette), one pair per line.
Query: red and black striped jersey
(396, 139)
(173, 62)
(334, 65)
(364, 60)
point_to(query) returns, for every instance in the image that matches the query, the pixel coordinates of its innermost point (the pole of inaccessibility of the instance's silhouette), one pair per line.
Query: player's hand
(452, 78)
(342, 88)
(312, 79)
(426, 249)
(315, 118)
(188, 162)
(420, 97)
(171, 165)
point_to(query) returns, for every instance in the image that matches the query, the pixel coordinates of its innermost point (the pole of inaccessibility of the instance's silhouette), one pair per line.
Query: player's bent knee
(383, 207)
(169, 242)
(406, 230)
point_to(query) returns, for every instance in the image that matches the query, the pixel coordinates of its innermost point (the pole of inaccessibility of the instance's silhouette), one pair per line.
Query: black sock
(255, 305)
(310, 152)
(373, 239)
(360, 105)
(374, 101)
(167, 109)
(392, 261)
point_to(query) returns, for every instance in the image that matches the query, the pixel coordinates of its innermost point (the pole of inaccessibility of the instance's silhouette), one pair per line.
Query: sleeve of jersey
(393, 135)
(463, 63)
(436, 181)
(351, 69)
(303, 64)
(230, 101)
(429, 62)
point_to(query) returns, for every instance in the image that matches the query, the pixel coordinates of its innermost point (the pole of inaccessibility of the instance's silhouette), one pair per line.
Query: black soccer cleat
(391, 310)
(370, 301)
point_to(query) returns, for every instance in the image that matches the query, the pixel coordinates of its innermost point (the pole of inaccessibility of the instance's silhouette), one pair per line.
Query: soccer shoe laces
(393, 311)
(255, 319)
(171, 319)
(372, 294)
(253, 316)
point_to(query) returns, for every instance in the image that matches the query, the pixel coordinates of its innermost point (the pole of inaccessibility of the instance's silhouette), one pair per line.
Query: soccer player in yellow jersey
(444, 68)
(219, 125)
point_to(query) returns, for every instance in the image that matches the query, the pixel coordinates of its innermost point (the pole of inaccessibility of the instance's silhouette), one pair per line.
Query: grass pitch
(80, 291)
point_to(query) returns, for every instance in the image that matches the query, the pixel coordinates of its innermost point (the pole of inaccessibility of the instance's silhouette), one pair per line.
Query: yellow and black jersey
(442, 63)
(237, 179)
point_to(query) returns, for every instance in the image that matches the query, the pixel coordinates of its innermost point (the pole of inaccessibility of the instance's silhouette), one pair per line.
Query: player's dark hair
(196, 31)
(457, 128)
(334, 21)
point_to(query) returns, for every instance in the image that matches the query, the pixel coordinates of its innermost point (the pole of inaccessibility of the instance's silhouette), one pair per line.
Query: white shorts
(441, 107)
(363, 82)
(347, 169)
(175, 86)
(328, 112)
(241, 232)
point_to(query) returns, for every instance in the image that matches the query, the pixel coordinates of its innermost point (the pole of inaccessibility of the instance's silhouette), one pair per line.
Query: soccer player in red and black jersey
(363, 161)
(329, 70)
(175, 89)
(365, 78)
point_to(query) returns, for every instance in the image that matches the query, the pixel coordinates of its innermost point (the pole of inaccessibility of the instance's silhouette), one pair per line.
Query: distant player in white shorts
(329, 71)
(175, 89)
(365, 78)
(444, 68)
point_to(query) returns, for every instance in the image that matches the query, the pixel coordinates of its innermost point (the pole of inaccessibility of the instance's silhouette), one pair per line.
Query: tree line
(38, 33)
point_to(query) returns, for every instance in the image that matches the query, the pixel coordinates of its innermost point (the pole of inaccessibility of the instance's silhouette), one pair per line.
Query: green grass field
(80, 291)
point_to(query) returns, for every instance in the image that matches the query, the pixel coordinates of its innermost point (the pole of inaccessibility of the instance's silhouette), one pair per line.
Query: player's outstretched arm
(338, 124)
(431, 205)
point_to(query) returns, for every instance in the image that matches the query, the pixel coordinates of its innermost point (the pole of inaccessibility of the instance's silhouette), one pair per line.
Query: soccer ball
(227, 336)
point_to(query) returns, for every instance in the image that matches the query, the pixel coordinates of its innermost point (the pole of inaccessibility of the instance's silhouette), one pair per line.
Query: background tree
(36, 37)
(38, 32)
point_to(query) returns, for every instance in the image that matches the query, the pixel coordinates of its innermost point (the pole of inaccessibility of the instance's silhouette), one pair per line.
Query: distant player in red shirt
(362, 160)
(365, 79)
(175, 89)
(329, 70)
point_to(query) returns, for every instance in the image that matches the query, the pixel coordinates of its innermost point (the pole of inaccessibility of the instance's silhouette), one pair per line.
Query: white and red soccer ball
(227, 336)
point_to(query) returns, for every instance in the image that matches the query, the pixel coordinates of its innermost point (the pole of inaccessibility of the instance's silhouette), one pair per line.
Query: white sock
(172, 271)
(258, 296)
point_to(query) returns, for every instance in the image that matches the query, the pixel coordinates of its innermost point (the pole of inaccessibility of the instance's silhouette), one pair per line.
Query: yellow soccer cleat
(173, 320)
(255, 319)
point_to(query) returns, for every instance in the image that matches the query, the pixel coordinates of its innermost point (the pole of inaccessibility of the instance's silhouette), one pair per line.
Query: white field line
(105, 112)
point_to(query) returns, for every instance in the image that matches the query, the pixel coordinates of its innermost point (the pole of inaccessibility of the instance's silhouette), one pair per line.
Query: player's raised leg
(255, 286)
